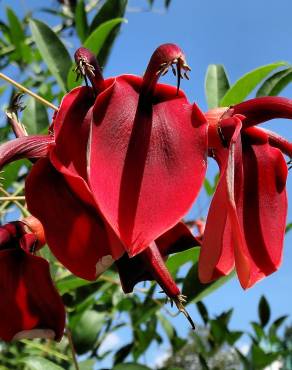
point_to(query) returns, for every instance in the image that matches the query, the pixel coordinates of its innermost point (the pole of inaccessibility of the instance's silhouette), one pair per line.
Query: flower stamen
(180, 65)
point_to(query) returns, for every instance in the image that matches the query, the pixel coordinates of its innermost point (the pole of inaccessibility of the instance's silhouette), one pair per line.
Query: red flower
(246, 222)
(30, 305)
(122, 164)
(147, 152)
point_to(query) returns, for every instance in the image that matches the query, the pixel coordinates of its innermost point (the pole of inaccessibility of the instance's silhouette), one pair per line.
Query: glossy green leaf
(179, 259)
(166, 325)
(39, 363)
(264, 311)
(216, 84)
(130, 366)
(70, 283)
(276, 83)
(123, 352)
(52, 50)
(247, 83)
(35, 117)
(86, 329)
(81, 20)
(167, 3)
(84, 365)
(261, 359)
(17, 35)
(203, 312)
(288, 227)
(10, 172)
(111, 9)
(94, 42)
(195, 290)
(2, 89)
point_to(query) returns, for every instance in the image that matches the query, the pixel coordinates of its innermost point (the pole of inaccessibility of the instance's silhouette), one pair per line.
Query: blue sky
(242, 35)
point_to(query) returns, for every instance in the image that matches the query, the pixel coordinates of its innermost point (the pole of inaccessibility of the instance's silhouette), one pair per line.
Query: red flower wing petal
(264, 207)
(75, 232)
(217, 253)
(71, 128)
(30, 305)
(146, 164)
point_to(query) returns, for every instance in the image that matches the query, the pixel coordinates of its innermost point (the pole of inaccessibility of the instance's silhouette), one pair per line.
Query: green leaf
(259, 331)
(276, 83)
(195, 290)
(35, 117)
(16, 32)
(130, 366)
(39, 363)
(111, 9)
(52, 51)
(167, 3)
(81, 20)
(288, 227)
(261, 359)
(216, 84)
(179, 259)
(71, 283)
(123, 352)
(94, 42)
(86, 329)
(2, 89)
(10, 172)
(245, 85)
(264, 311)
(167, 326)
(203, 312)
(85, 365)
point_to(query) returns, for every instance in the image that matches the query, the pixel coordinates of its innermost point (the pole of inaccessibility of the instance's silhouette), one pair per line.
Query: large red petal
(30, 305)
(217, 252)
(147, 161)
(75, 232)
(263, 208)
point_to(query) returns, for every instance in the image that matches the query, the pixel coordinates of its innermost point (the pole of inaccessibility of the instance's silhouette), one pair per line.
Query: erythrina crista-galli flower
(247, 218)
(122, 164)
(30, 305)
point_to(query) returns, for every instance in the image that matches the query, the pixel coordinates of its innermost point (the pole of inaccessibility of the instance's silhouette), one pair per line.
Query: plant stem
(27, 91)
(11, 198)
(41, 347)
(71, 344)
(6, 202)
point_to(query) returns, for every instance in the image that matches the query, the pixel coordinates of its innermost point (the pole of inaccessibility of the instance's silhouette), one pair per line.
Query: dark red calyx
(166, 56)
(156, 267)
(87, 67)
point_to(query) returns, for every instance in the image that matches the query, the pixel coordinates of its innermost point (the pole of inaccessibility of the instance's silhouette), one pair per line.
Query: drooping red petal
(133, 270)
(33, 146)
(263, 208)
(146, 161)
(74, 231)
(217, 253)
(30, 305)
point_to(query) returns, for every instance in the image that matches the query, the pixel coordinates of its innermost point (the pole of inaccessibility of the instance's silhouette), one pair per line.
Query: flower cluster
(122, 164)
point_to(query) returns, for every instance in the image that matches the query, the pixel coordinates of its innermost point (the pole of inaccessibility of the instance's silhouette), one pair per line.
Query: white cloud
(110, 342)
(277, 365)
